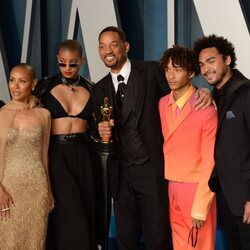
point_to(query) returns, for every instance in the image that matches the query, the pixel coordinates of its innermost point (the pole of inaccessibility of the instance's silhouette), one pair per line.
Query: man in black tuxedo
(137, 168)
(231, 176)
(1, 103)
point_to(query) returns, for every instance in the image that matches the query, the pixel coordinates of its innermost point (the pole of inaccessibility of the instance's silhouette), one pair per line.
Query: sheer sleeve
(46, 123)
(6, 120)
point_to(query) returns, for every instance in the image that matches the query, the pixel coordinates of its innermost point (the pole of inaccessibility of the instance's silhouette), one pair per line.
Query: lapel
(107, 90)
(140, 87)
(129, 99)
(230, 98)
(136, 90)
(223, 112)
(172, 126)
(178, 121)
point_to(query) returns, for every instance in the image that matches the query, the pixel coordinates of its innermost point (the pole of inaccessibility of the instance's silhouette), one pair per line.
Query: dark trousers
(237, 232)
(141, 206)
(72, 221)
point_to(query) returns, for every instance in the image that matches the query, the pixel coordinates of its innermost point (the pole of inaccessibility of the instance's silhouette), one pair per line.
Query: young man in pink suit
(189, 137)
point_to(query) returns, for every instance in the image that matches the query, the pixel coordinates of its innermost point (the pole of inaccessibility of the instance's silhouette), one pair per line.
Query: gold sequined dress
(24, 178)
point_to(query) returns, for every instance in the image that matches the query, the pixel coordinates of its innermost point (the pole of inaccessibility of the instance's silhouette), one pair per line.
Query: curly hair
(180, 56)
(223, 46)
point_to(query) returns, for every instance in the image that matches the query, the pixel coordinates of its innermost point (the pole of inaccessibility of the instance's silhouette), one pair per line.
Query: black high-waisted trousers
(72, 221)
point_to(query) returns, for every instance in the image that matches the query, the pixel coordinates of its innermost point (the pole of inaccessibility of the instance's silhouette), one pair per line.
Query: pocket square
(230, 115)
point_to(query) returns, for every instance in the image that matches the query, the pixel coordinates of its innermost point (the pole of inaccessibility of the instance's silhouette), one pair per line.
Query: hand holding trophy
(106, 110)
(105, 150)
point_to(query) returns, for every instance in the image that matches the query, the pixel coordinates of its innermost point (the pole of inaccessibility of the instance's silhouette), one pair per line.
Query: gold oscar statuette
(106, 110)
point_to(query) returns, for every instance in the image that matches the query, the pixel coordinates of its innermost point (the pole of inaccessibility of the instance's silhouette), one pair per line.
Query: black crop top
(54, 106)
(57, 111)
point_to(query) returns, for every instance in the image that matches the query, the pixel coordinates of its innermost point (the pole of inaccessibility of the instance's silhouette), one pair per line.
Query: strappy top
(51, 103)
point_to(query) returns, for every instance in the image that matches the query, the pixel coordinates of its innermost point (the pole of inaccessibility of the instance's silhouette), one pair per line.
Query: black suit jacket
(232, 148)
(147, 84)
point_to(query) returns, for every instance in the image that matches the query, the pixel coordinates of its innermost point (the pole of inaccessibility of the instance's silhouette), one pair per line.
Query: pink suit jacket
(189, 149)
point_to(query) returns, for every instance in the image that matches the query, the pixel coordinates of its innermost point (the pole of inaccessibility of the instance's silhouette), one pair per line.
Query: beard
(218, 83)
(110, 64)
(219, 80)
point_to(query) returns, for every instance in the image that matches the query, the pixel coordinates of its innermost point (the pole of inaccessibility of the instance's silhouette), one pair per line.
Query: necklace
(18, 105)
(71, 85)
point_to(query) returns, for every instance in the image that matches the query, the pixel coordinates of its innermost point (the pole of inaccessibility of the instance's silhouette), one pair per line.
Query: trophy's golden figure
(106, 110)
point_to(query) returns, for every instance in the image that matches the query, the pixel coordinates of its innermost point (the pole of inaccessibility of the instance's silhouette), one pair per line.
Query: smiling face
(112, 50)
(214, 67)
(69, 63)
(21, 83)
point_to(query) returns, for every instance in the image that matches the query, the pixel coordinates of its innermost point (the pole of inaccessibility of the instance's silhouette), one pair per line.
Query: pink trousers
(181, 196)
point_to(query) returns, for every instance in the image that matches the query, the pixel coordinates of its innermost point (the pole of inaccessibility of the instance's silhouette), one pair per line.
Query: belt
(73, 138)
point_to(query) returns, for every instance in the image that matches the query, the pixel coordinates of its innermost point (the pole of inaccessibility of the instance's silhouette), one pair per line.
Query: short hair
(28, 67)
(183, 57)
(223, 46)
(71, 45)
(120, 32)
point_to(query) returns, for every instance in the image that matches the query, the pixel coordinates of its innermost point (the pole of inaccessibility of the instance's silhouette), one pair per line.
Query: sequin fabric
(24, 178)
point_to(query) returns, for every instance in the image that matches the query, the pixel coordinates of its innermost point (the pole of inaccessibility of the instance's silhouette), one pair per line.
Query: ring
(5, 209)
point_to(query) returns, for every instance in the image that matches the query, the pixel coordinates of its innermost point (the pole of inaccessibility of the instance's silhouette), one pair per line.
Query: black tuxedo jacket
(146, 84)
(232, 147)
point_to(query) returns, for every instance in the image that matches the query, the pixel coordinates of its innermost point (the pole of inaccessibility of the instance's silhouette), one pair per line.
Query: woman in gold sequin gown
(24, 189)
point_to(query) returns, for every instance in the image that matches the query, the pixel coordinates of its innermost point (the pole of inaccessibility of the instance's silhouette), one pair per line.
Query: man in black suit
(231, 176)
(1, 103)
(140, 199)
